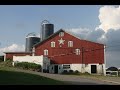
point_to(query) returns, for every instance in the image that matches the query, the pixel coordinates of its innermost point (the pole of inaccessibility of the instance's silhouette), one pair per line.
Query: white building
(43, 61)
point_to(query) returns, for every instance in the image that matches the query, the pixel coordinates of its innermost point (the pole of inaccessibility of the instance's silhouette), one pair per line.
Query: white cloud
(109, 17)
(102, 39)
(87, 34)
(12, 48)
(80, 32)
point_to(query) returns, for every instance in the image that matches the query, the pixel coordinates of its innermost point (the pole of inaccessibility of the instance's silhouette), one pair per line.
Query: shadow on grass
(20, 78)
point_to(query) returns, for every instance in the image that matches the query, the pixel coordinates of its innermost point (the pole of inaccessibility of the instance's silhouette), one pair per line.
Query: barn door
(93, 69)
(56, 69)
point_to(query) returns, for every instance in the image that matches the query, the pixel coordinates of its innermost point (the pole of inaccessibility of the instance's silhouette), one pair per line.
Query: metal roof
(18, 52)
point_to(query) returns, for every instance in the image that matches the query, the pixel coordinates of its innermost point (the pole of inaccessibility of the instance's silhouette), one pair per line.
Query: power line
(113, 41)
(84, 50)
(112, 46)
(73, 52)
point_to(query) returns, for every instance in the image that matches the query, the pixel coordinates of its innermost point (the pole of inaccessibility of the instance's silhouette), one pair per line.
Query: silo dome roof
(45, 22)
(33, 34)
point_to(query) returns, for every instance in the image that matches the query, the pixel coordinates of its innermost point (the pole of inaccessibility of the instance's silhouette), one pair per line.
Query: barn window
(45, 52)
(70, 43)
(77, 51)
(61, 34)
(52, 44)
(66, 66)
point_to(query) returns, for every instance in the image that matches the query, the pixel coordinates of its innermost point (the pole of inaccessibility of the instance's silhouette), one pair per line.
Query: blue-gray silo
(47, 29)
(31, 39)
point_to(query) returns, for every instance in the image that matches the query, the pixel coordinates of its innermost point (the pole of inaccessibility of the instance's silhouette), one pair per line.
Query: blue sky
(92, 22)
(16, 21)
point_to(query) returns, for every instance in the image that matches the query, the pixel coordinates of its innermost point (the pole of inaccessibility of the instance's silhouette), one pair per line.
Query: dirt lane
(72, 79)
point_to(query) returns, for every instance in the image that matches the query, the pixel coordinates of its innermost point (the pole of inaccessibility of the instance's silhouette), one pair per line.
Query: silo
(31, 39)
(47, 29)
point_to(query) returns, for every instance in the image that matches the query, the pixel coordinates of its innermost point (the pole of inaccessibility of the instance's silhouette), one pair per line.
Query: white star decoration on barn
(61, 41)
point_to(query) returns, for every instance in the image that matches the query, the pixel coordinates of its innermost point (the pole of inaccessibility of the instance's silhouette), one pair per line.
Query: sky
(99, 23)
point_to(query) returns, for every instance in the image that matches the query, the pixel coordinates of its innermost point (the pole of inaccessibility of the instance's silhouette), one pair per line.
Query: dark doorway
(93, 69)
(56, 69)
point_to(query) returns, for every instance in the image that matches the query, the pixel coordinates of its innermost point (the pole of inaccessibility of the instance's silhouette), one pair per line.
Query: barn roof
(49, 37)
(18, 52)
(61, 30)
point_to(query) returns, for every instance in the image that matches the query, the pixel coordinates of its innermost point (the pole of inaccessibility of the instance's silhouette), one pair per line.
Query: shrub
(64, 72)
(8, 59)
(70, 71)
(86, 73)
(28, 66)
(1, 58)
(76, 71)
(8, 62)
(45, 71)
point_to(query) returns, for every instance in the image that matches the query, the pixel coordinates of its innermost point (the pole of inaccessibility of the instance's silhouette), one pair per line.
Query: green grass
(12, 76)
(21, 78)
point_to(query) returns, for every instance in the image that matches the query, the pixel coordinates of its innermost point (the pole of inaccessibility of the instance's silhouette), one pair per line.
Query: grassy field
(20, 78)
(14, 76)
(10, 77)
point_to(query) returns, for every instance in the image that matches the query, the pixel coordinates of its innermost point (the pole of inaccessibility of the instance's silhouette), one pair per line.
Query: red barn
(9, 55)
(68, 52)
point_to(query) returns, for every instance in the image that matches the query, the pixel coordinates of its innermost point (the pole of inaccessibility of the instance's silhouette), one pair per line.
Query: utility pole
(82, 59)
(104, 65)
(82, 56)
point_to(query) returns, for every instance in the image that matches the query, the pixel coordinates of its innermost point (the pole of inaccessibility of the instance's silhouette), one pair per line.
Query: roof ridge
(66, 32)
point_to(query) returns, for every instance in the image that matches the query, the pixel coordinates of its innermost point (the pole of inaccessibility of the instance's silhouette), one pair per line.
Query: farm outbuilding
(9, 55)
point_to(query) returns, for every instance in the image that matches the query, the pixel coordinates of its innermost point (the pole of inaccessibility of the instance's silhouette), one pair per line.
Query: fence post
(117, 73)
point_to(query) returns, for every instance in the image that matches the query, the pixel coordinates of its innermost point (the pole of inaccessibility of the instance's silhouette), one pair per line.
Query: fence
(112, 73)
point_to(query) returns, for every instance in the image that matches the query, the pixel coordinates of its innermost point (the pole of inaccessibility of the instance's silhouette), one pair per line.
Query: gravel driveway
(76, 80)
